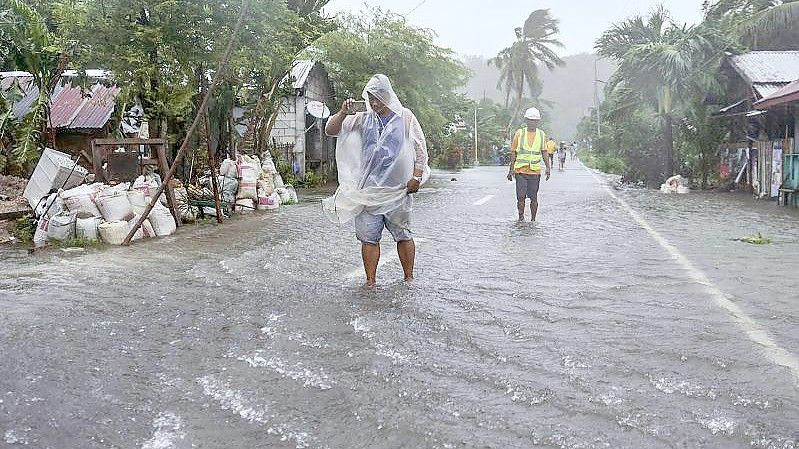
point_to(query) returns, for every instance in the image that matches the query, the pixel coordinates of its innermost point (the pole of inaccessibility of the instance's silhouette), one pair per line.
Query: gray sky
(483, 27)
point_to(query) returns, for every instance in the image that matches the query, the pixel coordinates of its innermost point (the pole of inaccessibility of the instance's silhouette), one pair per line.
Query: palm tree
(518, 64)
(759, 23)
(659, 61)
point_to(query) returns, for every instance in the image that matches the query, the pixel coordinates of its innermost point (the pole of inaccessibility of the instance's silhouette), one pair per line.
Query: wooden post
(212, 164)
(193, 128)
(170, 192)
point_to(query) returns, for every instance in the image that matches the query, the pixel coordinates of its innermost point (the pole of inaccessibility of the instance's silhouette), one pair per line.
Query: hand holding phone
(356, 106)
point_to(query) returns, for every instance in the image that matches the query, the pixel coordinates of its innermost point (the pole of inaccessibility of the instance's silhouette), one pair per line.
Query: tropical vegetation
(657, 115)
(520, 63)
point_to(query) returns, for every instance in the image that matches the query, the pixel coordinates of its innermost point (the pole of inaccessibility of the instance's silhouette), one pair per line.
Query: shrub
(25, 228)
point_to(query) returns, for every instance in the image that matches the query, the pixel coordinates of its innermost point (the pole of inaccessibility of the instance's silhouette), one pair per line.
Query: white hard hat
(532, 114)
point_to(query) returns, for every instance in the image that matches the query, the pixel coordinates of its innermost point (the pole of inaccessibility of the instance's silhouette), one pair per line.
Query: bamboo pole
(194, 125)
(212, 164)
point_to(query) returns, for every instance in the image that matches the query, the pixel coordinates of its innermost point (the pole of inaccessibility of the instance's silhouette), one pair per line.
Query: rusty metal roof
(766, 89)
(767, 66)
(783, 97)
(69, 109)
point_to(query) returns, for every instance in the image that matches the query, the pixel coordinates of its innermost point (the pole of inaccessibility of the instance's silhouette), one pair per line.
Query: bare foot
(408, 278)
(521, 217)
(370, 284)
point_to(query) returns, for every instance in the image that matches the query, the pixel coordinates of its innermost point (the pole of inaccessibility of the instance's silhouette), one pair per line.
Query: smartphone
(357, 106)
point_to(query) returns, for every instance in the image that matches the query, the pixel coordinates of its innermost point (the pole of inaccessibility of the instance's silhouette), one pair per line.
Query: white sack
(62, 227)
(81, 199)
(86, 228)
(114, 205)
(114, 232)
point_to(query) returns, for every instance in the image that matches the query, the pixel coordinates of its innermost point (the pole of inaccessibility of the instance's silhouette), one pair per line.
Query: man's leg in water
(371, 256)
(533, 191)
(520, 208)
(407, 255)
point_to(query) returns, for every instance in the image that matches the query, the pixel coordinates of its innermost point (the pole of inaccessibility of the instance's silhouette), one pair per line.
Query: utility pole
(596, 98)
(475, 136)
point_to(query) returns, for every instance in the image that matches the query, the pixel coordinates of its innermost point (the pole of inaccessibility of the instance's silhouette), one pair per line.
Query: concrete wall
(312, 148)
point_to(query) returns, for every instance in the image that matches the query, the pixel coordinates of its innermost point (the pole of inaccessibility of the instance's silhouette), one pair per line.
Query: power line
(414, 8)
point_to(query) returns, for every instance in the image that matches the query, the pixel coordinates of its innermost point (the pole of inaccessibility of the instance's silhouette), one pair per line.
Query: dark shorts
(527, 186)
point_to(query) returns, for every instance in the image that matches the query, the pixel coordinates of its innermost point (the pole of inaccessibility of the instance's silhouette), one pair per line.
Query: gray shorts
(369, 227)
(527, 186)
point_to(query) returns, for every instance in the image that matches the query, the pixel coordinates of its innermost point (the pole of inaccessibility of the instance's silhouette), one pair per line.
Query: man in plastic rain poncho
(382, 159)
(528, 154)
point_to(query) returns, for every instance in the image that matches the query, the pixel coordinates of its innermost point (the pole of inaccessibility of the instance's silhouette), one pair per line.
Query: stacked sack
(268, 199)
(160, 222)
(186, 212)
(248, 169)
(100, 212)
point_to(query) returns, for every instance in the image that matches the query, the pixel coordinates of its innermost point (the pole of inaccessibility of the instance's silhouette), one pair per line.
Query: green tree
(162, 53)
(658, 60)
(518, 64)
(758, 24)
(27, 44)
(424, 75)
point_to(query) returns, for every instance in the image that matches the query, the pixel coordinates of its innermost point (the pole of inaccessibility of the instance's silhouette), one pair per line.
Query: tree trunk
(668, 142)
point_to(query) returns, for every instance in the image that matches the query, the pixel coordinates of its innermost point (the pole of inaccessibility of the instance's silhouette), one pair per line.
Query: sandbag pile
(247, 183)
(93, 212)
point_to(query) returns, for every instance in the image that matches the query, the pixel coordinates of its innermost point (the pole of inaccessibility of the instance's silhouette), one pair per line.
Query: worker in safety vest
(527, 157)
(552, 147)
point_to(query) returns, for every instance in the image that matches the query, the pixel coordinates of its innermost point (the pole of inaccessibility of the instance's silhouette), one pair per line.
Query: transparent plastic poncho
(376, 157)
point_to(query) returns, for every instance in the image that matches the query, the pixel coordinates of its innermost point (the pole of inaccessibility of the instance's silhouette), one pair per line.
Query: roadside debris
(675, 184)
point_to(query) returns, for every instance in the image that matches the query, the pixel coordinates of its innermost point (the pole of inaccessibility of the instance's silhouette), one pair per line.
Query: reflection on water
(577, 331)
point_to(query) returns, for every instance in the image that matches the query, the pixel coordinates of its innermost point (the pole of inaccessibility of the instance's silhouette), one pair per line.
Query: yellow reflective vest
(527, 155)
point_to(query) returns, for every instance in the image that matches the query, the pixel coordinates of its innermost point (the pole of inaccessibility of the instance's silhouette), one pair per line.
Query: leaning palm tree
(781, 16)
(658, 60)
(755, 22)
(518, 64)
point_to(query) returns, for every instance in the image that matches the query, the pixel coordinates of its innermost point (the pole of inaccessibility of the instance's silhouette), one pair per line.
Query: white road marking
(753, 330)
(483, 200)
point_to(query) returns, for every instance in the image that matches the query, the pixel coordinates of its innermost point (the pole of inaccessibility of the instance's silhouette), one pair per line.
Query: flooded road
(621, 319)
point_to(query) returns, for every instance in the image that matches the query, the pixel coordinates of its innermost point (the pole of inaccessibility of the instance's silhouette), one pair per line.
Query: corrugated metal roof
(766, 89)
(64, 102)
(69, 109)
(97, 109)
(300, 71)
(783, 97)
(767, 66)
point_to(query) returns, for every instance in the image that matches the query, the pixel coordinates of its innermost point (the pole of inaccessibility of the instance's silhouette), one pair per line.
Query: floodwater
(621, 319)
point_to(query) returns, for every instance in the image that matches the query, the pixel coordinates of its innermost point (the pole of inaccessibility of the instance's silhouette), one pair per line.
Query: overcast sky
(483, 27)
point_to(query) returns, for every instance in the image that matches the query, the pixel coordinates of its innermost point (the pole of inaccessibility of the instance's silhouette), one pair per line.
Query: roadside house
(786, 100)
(298, 135)
(749, 156)
(76, 118)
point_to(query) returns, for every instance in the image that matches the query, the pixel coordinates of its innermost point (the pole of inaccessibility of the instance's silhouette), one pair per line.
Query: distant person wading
(527, 155)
